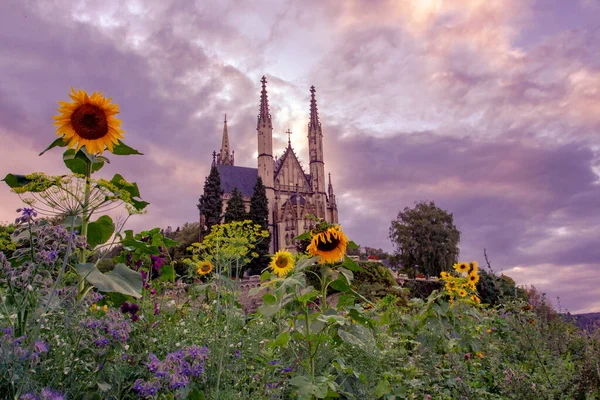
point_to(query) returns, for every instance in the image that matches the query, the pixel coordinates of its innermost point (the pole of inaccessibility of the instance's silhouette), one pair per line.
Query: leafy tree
(425, 236)
(210, 204)
(236, 211)
(259, 214)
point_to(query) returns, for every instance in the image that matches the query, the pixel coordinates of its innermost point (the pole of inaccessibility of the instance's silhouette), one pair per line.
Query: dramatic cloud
(489, 108)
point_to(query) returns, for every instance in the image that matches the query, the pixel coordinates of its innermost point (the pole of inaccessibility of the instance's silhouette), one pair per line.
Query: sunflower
(472, 286)
(451, 286)
(476, 299)
(462, 292)
(461, 267)
(473, 267)
(473, 278)
(282, 263)
(88, 121)
(444, 275)
(204, 268)
(330, 245)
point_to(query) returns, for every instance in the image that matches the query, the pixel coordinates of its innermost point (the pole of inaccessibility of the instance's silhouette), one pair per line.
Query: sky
(490, 108)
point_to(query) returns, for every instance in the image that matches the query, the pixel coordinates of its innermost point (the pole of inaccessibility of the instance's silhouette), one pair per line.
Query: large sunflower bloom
(88, 121)
(330, 245)
(473, 278)
(204, 268)
(282, 263)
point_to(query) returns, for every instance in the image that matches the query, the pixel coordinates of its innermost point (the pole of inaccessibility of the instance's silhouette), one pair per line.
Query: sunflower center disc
(323, 245)
(89, 122)
(281, 263)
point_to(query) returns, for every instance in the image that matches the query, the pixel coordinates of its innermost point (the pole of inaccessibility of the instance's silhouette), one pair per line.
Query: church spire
(224, 157)
(264, 118)
(314, 113)
(330, 187)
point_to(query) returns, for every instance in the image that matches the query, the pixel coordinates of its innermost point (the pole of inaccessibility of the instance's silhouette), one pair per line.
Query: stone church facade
(292, 192)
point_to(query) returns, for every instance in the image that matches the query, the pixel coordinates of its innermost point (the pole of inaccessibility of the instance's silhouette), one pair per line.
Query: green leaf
(268, 310)
(303, 384)
(121, 149)
(352, 245)
(100, 231)
(350, 264)
(14, 181)
(340, 284)
(78, 161)
(268, 298)
(304, 236)
(383, 387)
(167, 273)
(282, 340)
(265, 275)
(120, 280)
(196, 394)
(103, 386)
(57, 143)
(132, 189)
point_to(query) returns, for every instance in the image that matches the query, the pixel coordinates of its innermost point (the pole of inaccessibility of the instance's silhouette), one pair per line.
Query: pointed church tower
(225, 157)
(264, 129)
(315, 151)
(331, 204)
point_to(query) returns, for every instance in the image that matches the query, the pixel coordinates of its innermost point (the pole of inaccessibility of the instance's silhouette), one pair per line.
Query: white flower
(177, 344)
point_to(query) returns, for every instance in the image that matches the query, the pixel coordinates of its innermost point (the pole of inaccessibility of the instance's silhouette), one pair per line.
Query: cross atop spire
(264, 117)
(289, 133)
(314, 114)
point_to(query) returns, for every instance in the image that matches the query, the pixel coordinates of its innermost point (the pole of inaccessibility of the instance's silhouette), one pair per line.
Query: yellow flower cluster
(95, 307)
(465, 283)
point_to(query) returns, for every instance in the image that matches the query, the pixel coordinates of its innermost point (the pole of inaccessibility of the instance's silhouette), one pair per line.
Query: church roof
(289, 153)
(238, 177)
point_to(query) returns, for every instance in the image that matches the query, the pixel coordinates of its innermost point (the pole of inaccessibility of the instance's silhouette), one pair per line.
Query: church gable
(289, 173)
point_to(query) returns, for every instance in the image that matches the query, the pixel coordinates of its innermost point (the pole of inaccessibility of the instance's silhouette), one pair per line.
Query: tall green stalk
(85, 219)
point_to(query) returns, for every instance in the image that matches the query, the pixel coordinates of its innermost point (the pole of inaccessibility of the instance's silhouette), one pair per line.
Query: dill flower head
(282, 263)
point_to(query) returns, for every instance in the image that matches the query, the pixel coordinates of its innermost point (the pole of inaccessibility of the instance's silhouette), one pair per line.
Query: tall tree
(259, 214)
(210, 204)
(425, 237)
(236, 211)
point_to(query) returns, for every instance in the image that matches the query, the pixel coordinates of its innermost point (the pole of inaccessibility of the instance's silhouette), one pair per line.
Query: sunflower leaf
(78, 161)
(15, 181)
(304, 236)
(120, 280)
(121, 149)
(100, 231)
(352, 245)
(57, 143)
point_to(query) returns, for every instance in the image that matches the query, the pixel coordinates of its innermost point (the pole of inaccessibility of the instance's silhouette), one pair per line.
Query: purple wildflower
(125, 308)
(101, 342)
(29, 396)
(274, 362)
(156, 309)
(49, 394)
(237, 354)
(40, 347)
(146, 389)
(287, 370)
(177, 381)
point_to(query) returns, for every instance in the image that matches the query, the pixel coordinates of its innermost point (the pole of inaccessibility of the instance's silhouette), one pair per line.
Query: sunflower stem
(85, 218)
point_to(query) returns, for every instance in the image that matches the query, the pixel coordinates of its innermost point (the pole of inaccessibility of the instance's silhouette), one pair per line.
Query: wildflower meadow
(92, 310)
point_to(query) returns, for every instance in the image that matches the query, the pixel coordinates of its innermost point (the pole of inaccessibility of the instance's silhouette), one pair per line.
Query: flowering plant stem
(85, 218)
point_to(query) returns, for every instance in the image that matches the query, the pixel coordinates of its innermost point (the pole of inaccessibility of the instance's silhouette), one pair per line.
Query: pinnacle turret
(314, 113)
(225, 157)
(264, 117)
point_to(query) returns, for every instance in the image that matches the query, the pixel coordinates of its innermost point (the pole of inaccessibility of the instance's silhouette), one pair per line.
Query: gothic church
(293, 194)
